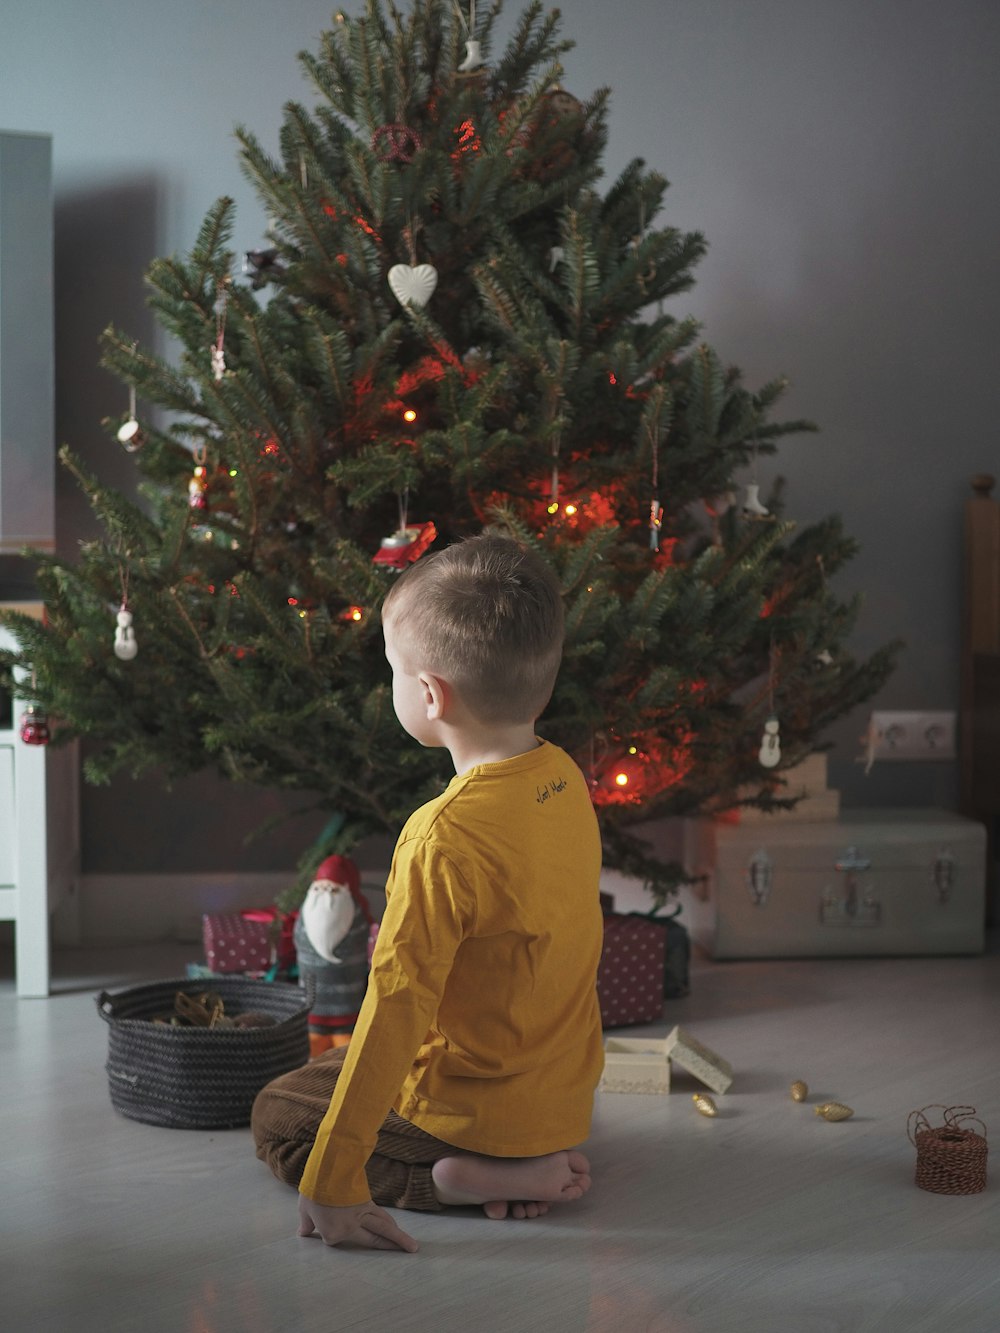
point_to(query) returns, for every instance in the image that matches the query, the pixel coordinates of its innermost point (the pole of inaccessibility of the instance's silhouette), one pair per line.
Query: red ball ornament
(197, 487)
(35, 726)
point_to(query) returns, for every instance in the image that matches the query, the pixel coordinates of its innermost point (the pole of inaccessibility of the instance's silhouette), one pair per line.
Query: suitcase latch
(944, 874)
(856, 904)
(760, 873)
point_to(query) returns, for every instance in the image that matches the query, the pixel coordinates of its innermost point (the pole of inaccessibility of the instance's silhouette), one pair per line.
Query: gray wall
(840, 156)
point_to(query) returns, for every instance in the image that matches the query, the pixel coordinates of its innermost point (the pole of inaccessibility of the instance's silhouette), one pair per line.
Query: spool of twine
(950, 1159)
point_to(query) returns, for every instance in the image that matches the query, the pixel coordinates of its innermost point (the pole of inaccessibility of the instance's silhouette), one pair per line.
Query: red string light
(468, 140)
(628, 777)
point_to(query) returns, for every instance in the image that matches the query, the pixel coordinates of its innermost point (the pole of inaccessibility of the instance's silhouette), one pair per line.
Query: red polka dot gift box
(237, 943)
(630, 975)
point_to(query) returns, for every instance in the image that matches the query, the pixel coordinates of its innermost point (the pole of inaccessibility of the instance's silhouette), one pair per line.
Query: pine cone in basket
(253, 1018)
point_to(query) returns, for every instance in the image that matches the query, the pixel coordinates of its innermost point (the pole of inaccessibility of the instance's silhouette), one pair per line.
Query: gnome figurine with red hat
(332, 942)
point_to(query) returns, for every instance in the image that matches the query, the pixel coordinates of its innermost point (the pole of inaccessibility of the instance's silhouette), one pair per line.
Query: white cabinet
(27, 403)
(39, 840)
(6, 804)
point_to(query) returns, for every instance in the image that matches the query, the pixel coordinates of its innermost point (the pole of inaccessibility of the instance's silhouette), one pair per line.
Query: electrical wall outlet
(912, 735)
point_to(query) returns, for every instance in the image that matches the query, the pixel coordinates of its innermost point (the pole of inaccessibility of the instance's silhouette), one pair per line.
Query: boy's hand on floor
(362, 1224)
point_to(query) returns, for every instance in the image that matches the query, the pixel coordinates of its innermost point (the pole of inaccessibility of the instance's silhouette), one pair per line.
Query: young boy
(478, 1047)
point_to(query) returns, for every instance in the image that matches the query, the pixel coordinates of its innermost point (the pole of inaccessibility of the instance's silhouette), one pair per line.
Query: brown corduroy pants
(286, 1118)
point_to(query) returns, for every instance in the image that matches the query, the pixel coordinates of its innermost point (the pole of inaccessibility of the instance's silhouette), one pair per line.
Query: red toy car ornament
(406, 545)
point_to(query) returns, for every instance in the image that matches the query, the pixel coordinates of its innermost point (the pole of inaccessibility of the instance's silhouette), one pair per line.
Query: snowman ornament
(125, 643)
(769, 754)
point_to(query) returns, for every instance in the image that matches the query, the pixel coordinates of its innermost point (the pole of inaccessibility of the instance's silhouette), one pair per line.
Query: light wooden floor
(764, 1220)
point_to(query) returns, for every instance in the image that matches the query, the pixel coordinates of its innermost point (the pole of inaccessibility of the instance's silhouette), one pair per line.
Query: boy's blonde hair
(487, 615)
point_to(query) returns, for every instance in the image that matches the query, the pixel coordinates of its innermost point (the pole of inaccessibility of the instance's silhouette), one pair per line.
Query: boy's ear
(436, 695)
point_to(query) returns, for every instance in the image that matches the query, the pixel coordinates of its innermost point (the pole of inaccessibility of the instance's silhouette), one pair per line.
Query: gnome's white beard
(327, 914)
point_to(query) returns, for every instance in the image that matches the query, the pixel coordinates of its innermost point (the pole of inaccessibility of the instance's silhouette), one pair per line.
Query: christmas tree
(450, 326)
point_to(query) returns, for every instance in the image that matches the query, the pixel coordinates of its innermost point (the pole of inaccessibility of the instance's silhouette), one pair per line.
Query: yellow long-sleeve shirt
(481, 1022)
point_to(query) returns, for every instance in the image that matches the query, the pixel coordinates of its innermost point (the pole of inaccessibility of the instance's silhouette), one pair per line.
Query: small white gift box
(642, 1064)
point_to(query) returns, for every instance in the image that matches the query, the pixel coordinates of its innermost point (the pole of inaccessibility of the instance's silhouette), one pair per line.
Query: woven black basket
(200, 1078)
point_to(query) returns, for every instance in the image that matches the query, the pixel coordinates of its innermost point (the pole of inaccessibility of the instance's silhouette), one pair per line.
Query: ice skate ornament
(752, 506)
(125, 642)
(413, 285)
(770, 745)
(473, 57)
(329, 907)
(473, 48)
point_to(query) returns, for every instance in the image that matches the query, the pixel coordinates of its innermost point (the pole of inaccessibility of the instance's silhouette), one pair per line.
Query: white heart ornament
(413, 286)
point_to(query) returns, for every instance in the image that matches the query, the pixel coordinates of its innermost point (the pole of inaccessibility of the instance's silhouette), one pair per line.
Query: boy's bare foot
(522, 1186)
(522, 1208)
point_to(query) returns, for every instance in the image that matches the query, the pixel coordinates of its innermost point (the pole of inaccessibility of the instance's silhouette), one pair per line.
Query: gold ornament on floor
(704, 1105)
(799, 1091)
(834, 1111)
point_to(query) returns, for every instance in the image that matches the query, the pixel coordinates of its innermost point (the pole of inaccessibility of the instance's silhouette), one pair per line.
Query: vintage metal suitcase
(870, 882)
